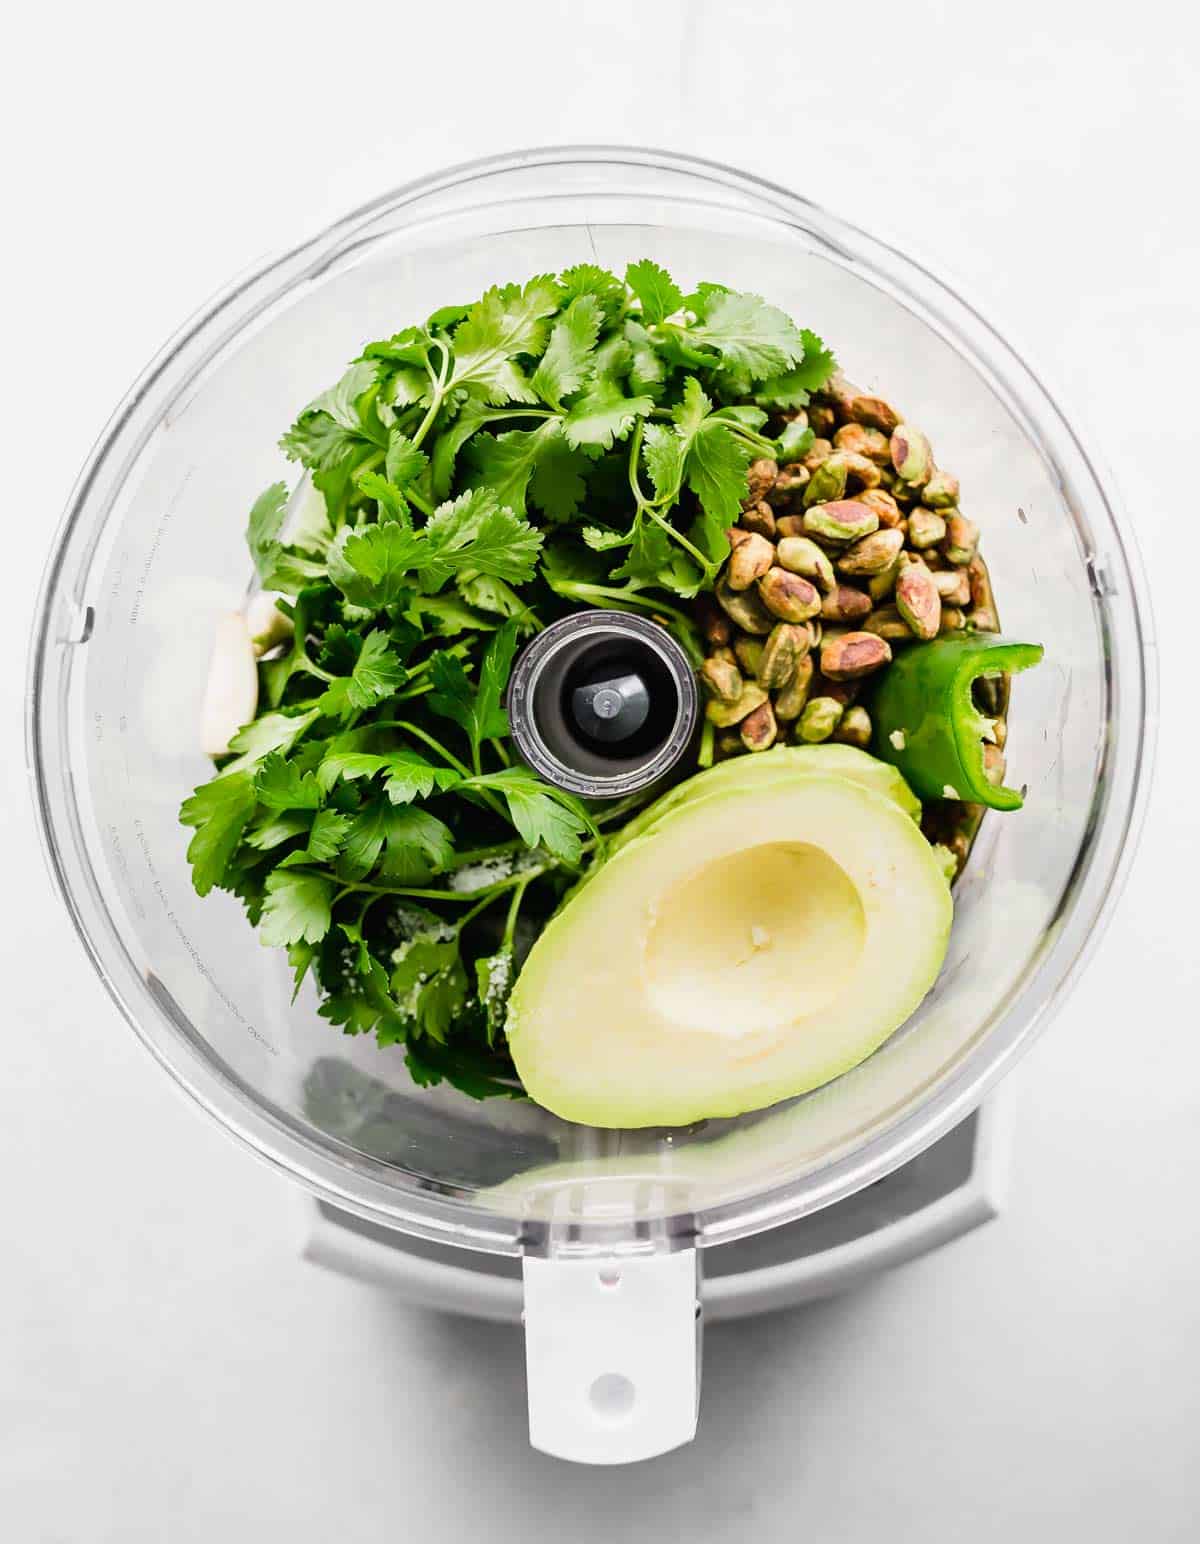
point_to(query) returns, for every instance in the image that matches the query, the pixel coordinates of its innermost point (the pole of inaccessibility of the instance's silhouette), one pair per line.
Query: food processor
(610, 1229)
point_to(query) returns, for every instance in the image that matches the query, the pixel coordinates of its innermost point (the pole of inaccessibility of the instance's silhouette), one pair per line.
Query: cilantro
(557, 485)
(373, 566)
(471, 417)
(604, 413)
(604, 287)
(403, 462)
(297, 907)
(376, 675)
(407, 844)
(568, 362)
(266, 522)
(410, 776)
(476, 709)
(579, 440)
(793, 442)
(716, 473)
(543, 815)
(272, 831)
(220, 811)
(749, 334)
(447, 616)
(325, 838)
(507, 323)
(340, 427)
(504, 463)
(658, 293)
(428, 982)
(280, 785)
(271, 732)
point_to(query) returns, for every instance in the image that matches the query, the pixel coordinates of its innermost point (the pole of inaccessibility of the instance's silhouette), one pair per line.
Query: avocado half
(752, 943)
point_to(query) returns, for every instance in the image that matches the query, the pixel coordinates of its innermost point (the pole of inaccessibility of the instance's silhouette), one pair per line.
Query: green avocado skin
(924, 701)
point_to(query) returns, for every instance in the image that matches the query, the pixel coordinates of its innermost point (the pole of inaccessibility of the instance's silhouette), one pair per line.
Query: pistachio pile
(838, 559)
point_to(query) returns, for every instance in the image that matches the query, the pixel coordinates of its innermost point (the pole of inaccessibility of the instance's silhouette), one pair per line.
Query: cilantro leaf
(704, 451)
(265, 524)
(280, 785)
(475, 532)
(410, 346)
(663, 453)
(752, 418)
(341, 401)
(447, 616)
(818, 360)
(509, 321)
(603, 287)
(271, 732)
(430, 1063)
(297, 908)
(472, 416)
(372, 566)
(391, 500)
(649, 554)
(361, 1002)
(377, 674)
(716, 474)
(654, 287)
(220, 811)
(494, 595)
(692, 409)
(557, 485)
(410, 776)
(300, 958)
(655, 560)
(328, 833)
(794, 387)
(403, 462)
(544, 816)
(603, 413)
(477, 709)
(408, 844)
(647, 371)
(334, 430)
(601, 539)
(504, 463)
(568, 363)
(793, 442)
(274, 830)
(749, 334)
(428, 981)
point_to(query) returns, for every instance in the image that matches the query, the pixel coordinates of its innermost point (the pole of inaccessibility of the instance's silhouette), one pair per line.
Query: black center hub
(602, 703)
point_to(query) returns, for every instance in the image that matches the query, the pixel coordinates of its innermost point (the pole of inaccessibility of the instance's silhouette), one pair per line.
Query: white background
(168, 1371)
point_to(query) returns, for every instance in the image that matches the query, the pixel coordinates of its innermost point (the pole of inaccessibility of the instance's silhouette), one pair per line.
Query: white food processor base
(951, 1188)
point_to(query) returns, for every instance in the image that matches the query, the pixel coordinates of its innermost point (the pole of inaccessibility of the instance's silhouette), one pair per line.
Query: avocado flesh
(785, 760)
(753, 945)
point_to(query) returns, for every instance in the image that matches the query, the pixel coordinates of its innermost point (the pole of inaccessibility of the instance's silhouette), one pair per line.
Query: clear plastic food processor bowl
(152, 547)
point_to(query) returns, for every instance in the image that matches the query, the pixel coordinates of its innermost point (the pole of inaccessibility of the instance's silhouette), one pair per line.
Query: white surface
(168, 1369)
(612, 1356)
